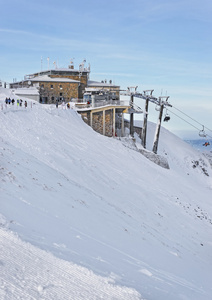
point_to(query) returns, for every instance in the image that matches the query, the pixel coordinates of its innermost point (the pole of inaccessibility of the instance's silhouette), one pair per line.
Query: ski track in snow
(31, 274)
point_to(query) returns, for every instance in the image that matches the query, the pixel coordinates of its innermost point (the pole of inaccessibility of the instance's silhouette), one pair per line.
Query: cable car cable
(191, 118)
(187, 122)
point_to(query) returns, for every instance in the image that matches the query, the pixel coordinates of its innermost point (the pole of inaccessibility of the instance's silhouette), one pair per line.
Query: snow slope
(91, 201)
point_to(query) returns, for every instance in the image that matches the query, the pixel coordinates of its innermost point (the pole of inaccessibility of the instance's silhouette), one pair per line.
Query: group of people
(8, 101)
(19, 102)
(63, 104)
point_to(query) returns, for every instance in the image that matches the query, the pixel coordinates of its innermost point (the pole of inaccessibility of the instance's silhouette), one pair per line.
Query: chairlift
(202, 133)
(166, 118)
(206, 144)
(157, 107)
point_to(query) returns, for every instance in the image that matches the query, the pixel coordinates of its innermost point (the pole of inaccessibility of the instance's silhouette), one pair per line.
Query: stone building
(59, 84)
(64, 84)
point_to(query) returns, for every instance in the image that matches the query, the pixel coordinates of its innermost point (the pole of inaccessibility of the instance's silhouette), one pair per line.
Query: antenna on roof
(55, 64)
(71, 66)
(48, 62)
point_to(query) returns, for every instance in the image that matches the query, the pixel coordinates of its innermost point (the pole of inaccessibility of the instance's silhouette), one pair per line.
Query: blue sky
(155, 44)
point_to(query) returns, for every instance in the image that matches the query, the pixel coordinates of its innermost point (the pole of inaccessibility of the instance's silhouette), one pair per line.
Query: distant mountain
(199, 144)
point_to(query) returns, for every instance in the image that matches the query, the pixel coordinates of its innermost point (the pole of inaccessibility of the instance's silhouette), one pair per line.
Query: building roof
(56, 71)
(26, 91)
(46, 78)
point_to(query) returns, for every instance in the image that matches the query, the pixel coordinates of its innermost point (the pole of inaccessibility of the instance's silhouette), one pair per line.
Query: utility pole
(131, 117)
(144, 129)
(157, 132)
(147, 96)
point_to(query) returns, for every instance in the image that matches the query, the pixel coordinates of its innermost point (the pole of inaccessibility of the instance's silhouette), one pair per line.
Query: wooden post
(157, 132)
(131, 118)
(144, 129)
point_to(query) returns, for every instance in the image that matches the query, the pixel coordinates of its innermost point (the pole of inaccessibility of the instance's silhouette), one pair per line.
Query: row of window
(60, 86)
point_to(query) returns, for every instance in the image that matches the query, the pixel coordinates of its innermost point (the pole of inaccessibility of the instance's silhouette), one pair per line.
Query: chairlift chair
(166, 118)
(202, 133)
(157, 107)
(206, 144)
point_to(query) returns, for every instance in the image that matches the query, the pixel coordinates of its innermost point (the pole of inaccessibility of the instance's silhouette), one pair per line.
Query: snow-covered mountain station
(86, 216)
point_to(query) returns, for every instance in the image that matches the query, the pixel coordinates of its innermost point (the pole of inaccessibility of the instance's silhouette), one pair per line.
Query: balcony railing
(99, 103)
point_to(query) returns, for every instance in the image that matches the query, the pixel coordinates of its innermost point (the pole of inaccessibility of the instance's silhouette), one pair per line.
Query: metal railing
(100, 103)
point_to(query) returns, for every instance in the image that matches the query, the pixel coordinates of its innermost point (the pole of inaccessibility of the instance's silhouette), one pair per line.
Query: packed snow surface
(83, 216)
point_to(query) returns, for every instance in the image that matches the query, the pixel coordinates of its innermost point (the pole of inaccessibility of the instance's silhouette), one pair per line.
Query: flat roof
(52, 79)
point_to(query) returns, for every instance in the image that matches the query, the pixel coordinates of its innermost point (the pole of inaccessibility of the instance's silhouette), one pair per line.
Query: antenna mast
(48, 62)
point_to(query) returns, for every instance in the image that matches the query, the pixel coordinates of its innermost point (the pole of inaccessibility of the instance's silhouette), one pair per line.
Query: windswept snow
(31, 273)
(90, 206)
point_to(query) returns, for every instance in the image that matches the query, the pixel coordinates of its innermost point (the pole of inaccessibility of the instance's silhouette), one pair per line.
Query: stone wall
(52, 91)
(86, 117)
(83, 82)
(138, 130)
(97, 122)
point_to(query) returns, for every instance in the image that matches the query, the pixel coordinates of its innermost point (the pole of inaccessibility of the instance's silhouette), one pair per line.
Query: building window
(52, 98)
(61, 86)
(42, 86)
(61, 94)
(51, 86)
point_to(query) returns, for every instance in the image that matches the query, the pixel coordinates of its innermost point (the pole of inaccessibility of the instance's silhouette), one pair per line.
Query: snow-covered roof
(53, 79)
(100, 84)
(26, 91)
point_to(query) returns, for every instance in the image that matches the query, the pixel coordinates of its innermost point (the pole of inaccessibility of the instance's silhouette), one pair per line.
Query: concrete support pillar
(157, 132)
(144, 129)
(103, 122)
(122, 125)
(93, 101)
(91, 119)
(114, 122)
(131, 118)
